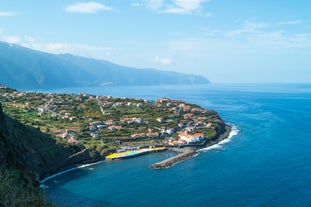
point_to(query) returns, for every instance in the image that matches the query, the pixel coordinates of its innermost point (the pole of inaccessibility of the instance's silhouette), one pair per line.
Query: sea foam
(234, 131)
(65, 171)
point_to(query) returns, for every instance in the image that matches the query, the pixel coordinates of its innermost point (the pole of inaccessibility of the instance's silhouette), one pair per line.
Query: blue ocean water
(268, 163)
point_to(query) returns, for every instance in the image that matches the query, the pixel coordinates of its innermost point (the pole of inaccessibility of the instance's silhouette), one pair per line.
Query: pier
(188, 152)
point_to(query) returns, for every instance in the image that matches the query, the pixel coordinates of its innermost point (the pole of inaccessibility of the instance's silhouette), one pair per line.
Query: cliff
(27, 148)
(26, 154)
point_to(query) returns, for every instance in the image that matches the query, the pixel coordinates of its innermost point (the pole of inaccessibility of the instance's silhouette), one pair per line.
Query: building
(163, 100)
(191, 138)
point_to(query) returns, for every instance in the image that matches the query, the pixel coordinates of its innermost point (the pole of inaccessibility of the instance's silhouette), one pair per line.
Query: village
(112, 122)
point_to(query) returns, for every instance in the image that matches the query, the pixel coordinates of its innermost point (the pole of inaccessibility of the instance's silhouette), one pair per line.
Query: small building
(114, 128)
(153, 134)
(191, 138)
(188, 116)
(42, 110)
(92, 128)
(73, 141)
(160, 120)
(109, 122)
(72, 118)
(170, 131)
(61, 135)
(163, 100)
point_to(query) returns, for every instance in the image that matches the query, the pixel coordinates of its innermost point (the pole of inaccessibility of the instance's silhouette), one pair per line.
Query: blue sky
(223, 40)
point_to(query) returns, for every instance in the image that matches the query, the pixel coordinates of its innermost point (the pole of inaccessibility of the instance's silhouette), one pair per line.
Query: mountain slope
(21, 67)
(27, 148)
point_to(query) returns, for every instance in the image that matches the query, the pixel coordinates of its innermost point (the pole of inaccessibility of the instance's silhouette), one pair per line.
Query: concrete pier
(188, 152)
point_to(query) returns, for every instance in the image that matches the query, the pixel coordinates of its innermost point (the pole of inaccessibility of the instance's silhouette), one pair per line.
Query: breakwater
(188, 152)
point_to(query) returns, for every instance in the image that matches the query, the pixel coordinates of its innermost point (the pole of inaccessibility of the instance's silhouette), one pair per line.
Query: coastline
(188, 152)
(69, 169)
(228, 130)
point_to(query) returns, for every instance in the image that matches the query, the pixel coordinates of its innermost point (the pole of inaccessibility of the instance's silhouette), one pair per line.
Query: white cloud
(184, 6)
(10, 39)
(289, 22)
(248, 28)
(29, 38)
(210, 32)
(163, 60)
(98, 52)
(86, 7)
(136, 4)
(264, 36)
(154, 4)
(8, 14)
(260, 27)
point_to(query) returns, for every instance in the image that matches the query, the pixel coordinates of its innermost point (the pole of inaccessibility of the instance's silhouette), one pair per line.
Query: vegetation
(18, 189)
(18, 186)
(103, 122)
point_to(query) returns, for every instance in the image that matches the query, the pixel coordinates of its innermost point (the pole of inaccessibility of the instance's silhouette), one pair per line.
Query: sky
(226, 41)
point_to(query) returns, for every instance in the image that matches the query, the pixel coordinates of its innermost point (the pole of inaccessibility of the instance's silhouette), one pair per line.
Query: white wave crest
(43, 186)
(234, 131)
(66, 171)
(57, 174)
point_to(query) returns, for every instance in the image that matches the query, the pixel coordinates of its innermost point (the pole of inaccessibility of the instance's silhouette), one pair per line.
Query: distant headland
(40, 70)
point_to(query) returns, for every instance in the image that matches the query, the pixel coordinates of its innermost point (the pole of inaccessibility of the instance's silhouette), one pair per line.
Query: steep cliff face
(29, 149)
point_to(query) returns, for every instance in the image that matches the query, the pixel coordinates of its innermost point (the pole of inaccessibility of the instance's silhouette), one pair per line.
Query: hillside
(26, 155)
(18, 185)
(106, 123)
(26, 147)
(40, 70)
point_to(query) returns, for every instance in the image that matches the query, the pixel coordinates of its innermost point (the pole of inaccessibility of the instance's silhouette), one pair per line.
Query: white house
(190, 138)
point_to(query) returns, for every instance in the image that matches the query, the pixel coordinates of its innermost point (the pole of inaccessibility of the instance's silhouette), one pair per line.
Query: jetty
(187, 153)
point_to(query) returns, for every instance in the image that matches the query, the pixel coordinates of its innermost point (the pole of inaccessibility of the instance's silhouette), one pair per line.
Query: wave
(42, 186)
(234, 131)
(65, 171)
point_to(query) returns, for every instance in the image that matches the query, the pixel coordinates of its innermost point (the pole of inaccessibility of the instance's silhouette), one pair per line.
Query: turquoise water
(268, 163)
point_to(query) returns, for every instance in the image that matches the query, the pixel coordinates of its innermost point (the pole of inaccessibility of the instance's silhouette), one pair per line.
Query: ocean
(266, 161)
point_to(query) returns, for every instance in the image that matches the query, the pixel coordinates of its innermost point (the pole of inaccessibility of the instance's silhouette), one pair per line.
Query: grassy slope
(25, 154)
(17, 185)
